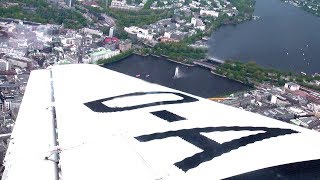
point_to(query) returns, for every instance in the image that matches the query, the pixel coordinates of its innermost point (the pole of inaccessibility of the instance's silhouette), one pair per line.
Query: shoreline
(115, 58)
(140, 54)
(190, 65)
(165, 57)
(168, 59)
(231, 84)
(223, 76)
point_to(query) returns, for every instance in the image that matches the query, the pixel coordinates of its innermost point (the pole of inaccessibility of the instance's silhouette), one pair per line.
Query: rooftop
(111, 39)
(99, 53)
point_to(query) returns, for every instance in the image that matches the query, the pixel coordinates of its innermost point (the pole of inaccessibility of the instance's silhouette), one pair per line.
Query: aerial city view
(261, 56)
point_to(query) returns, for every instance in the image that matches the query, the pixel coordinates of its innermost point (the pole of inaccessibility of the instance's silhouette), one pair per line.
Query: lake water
(193, 80)
(285, 37)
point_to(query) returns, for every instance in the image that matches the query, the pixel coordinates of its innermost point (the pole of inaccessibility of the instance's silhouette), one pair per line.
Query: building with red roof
(109, 40)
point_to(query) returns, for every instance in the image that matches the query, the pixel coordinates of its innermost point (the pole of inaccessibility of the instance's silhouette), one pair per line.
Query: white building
(7, 104)
(314, 107)
(209, 13)
(102, 53)
(92, 31)
(292, 86)
(70, 40)
(121, 4)
(317, 82)
(194, 21)
(273, 99)
(167, 34)
(118, 3)
(198, 24)
(141, 33)
(111, 31)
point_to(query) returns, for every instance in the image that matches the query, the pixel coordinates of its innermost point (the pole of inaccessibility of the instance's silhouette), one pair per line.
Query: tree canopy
(43, 12)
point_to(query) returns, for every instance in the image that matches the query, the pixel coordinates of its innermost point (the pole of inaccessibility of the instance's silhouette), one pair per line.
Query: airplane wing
(86, 122)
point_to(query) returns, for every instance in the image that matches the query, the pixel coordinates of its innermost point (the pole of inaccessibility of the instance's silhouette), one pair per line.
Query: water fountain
(176, 73)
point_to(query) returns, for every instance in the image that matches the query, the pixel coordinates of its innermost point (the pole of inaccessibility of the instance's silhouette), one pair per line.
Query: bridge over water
(205, 64)
(210, 58)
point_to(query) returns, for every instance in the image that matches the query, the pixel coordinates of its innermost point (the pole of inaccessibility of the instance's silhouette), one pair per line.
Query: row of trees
(244, 6)
(115, 58)
(251, 72)
(138, 18)
(42, 12)
(179, 51)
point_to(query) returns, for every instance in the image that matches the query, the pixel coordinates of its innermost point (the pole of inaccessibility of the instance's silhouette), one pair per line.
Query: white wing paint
(136, 136)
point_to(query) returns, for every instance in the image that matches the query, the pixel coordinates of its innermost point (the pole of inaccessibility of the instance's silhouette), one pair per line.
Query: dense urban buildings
(291, 103)
(25, 47)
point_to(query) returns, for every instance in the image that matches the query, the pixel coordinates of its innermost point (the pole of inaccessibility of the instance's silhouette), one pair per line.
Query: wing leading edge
(87, 122)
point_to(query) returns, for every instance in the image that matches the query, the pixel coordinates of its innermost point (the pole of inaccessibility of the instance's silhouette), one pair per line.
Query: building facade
(141, 33)
(102, 53)
(125, 45)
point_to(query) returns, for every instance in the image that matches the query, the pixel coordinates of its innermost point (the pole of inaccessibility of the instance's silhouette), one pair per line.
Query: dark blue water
(193, 80)
(281, 29)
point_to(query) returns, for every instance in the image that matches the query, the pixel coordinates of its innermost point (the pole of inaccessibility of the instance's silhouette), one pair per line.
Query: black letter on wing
(98, 106)
(211, 148)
